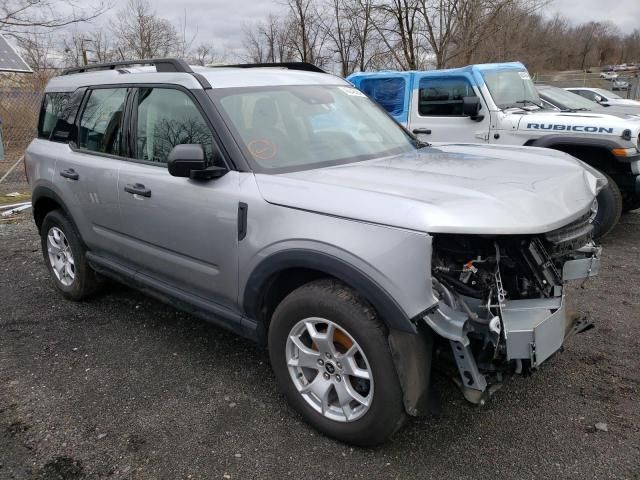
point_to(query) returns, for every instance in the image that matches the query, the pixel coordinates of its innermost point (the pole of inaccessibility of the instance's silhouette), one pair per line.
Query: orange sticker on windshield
(262, 149)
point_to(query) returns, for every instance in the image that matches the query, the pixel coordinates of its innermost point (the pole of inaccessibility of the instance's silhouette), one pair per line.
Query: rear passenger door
(436, 111)
(180, 231)
(86, 173)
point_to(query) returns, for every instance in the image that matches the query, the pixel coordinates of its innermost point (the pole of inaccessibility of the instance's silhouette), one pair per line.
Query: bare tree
(342, 36)
(37, 49)
(254, 46)
(587, 36)
(18, 16)
(398, 24)
(270, 41)
(440, 22)
(206, 54)
(141, 33)
(308, 36)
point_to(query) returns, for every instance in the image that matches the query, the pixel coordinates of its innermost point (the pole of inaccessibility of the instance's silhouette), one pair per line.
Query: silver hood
(467, 188)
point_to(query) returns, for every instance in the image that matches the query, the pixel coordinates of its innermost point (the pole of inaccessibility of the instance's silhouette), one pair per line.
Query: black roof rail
(161, 64)
(305, 66)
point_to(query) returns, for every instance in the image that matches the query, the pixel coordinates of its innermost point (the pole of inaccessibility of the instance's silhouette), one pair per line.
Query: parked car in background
(498, 104)
(602, 96)
(609, 75)
(562, 100)
(284, 205)
(619, 85)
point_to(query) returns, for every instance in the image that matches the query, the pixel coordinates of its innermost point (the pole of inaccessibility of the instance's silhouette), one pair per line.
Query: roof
(483, 67)
(218, 77)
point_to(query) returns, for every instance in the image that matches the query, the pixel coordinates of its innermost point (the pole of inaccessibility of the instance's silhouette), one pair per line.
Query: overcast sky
(221, 21)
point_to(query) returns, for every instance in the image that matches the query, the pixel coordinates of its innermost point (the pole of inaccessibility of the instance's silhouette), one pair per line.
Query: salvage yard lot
(125, 387)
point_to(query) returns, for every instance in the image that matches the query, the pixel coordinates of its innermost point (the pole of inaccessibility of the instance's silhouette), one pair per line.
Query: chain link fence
(20, 97)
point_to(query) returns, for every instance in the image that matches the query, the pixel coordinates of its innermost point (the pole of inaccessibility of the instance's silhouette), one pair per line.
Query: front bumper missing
(533, 329)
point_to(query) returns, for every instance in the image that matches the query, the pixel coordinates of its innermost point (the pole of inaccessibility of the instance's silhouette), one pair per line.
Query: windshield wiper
(573, 110)
(530, 102)
(420, 144)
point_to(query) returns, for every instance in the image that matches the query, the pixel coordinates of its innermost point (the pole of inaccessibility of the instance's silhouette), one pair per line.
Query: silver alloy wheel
(594, 210)
(61, 256)
(329, 369)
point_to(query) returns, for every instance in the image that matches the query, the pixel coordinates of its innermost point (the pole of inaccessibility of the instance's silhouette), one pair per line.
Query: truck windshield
(511, 88)
(289, 128)
(606, 93)
(560, 96)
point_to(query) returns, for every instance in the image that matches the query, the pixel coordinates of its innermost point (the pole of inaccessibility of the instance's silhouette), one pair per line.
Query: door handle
(424, 131)
(138, 189)
(70, 173)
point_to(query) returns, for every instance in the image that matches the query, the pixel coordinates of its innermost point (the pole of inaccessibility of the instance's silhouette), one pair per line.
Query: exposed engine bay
(501, 299)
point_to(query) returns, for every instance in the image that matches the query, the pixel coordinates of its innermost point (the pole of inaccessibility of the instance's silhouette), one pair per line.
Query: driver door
(436, 112)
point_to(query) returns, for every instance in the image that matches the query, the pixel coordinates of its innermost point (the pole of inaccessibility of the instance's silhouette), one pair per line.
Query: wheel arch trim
(552, 141)
(42, 192)
(389, 310)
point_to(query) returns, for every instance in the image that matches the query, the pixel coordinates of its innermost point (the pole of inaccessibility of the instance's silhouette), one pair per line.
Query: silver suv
(284, 205)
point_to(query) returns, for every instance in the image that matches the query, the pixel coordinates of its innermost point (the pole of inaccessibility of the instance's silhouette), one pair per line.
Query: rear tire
(377, 411)
(609, 209)
(64, 256)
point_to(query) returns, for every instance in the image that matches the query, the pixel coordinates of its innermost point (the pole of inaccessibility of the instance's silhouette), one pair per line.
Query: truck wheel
(606, 209)
(331, 359)
(64, 255)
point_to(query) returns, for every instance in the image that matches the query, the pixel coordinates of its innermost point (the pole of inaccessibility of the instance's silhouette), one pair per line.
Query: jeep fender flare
(552, 141)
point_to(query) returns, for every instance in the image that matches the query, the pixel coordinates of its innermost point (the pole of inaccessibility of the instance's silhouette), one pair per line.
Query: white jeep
(498, 103)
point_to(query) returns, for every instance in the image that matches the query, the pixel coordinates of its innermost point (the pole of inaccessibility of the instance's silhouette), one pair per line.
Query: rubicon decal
(569, 128)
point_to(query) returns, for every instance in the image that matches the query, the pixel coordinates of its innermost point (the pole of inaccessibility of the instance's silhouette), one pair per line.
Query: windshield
(289, 128)
(559, 96)
(606, 93)
(511, 88)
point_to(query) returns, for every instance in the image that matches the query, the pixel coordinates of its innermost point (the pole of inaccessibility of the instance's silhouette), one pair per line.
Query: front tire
(607, 209)
(331, 358)
(64, 255)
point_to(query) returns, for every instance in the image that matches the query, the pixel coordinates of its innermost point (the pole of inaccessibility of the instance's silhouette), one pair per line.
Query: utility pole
(85, 60)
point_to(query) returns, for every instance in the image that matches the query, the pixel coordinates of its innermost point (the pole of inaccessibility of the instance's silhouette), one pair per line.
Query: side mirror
(471, 108)
(188, 160)
(598, 98)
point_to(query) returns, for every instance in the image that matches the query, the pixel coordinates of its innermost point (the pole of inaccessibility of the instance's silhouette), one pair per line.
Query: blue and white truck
(497, 103)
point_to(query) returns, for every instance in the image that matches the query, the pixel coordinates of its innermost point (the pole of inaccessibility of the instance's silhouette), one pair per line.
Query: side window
(442, 97)
(587, 94)
(166, 118)
(53, 106)
(65, 129)
(388, 92)
(101, 120)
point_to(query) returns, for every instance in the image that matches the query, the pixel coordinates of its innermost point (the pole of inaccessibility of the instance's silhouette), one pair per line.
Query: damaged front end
(501, 300)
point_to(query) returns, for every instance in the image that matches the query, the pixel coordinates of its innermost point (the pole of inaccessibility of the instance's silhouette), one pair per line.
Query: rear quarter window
(389, 93)
(53, 108)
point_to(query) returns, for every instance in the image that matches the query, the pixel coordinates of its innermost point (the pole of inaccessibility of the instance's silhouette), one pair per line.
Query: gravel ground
(124, 387)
